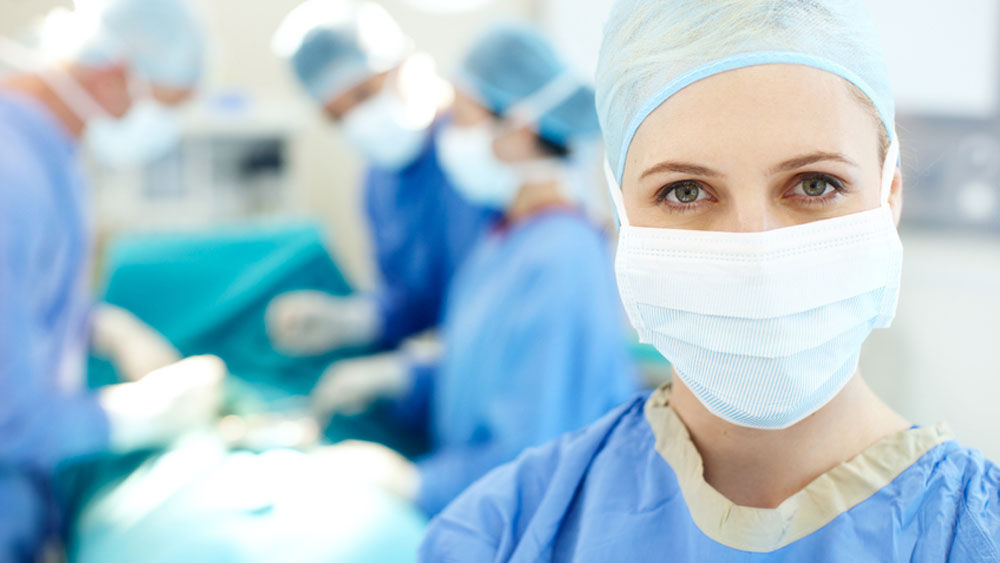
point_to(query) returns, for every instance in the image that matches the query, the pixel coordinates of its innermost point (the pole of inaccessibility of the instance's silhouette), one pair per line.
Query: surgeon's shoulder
(970, 483)
(564, 243)
(20, 165)
(526, 497)
(559, 228)
(981, 492)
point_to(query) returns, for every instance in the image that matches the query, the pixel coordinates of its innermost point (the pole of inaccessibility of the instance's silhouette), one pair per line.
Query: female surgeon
(753, 160)
(533, 335)
(354, 60)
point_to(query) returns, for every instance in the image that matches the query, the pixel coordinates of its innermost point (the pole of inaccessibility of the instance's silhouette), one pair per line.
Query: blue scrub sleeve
(413, 408)
(40, 425)
(527, 388)
(404, 311)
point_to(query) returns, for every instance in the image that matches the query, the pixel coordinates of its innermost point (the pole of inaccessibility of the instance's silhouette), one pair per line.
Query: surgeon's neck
(536, 198)
(35, 87)
(762, 468)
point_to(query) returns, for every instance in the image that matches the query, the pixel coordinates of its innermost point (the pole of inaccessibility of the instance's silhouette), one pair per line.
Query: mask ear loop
(889, 170)
(616, 195)
(530, 110)
(69, 91)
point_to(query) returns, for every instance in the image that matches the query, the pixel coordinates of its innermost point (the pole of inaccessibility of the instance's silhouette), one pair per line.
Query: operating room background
(939, 361)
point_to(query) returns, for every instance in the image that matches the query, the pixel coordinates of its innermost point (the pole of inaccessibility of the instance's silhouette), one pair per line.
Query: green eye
(683, 193)
(815, 187)
(687, 193)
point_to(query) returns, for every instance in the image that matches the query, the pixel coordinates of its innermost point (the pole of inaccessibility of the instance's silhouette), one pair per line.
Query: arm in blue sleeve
(413, 408)
(408, 256)
(40, 423)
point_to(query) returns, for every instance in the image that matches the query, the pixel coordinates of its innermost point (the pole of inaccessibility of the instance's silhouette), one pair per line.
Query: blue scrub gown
(45, 416)
(534, 347)
(423, 230)
(630, 488)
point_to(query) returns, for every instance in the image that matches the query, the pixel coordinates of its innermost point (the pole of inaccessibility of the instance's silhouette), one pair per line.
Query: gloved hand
(310, 322)
(368, 462)
(165, 404)
(134, 347)
(350, 386)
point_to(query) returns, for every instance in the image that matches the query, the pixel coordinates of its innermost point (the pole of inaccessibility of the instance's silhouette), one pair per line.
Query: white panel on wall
(944, 57)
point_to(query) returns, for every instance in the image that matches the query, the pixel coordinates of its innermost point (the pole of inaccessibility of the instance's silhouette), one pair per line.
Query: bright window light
(442, 6)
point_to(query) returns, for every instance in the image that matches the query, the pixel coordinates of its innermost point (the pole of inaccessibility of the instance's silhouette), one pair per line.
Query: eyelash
(837, 185)
(663, 193)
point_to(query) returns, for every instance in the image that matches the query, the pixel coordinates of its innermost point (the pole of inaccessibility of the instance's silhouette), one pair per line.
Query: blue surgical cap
(160, 40)
(513, 69)
(334, 45)
(654, 48)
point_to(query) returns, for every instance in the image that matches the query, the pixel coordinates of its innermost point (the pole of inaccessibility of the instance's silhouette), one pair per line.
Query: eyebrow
(791, 164)
(813, 158)
(680, 167)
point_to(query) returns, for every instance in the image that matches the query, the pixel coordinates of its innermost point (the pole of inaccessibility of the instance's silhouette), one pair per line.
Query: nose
(748, 217)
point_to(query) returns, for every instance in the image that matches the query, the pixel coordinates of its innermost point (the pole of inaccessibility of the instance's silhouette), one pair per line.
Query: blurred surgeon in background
(532, 333)
(119, 61)
(353, 60)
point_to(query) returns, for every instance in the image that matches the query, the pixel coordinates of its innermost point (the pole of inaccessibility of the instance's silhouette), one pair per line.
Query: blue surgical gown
(534, 347)
(606, 493)
(422, 230)
(45, 416)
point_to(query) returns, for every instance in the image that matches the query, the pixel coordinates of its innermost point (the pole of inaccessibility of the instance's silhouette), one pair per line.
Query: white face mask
(147, 133)
(466, 154)
(385, 130)
(764, 328)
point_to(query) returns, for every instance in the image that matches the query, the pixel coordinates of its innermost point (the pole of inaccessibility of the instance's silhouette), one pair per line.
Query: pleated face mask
(764, 328)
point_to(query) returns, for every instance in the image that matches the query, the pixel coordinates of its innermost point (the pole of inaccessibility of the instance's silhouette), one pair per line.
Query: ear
(896, 195)
(515, 144)
(171, 96)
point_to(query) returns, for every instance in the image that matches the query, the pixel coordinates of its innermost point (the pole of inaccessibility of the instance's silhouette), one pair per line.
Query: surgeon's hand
(368, 462)
(351, 386)
(306, 323)
(134, 347)
(165, 404)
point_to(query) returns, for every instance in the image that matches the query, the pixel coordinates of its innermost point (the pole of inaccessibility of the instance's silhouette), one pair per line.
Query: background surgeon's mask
(466, 154)
(385, 130)
(147, 133)
(764, 328)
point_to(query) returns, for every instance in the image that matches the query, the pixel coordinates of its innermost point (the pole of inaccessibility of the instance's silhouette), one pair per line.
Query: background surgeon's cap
(515, 72)
(334, 45)
(160, 40)
(654, 48)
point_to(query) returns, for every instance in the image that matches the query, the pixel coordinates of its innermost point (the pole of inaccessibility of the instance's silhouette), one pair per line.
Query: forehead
(755, 113)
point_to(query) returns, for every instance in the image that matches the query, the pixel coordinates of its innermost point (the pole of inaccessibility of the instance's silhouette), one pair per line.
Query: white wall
(941, 358)
(943, 59)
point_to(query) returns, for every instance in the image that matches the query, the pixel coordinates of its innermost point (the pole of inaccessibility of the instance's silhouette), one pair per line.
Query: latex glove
(350, 386)
(165, 404)
(134, 347)
(368, 462)
(309, 322)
